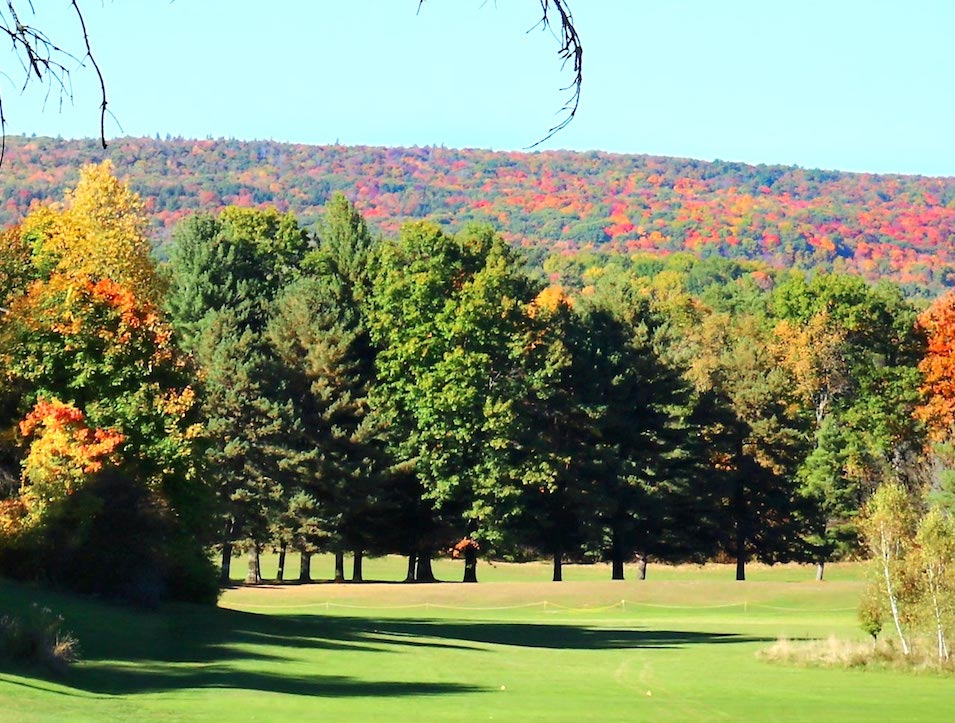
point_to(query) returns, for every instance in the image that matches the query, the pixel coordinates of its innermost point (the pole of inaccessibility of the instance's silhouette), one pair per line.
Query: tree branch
(44, 61)
(571, 51)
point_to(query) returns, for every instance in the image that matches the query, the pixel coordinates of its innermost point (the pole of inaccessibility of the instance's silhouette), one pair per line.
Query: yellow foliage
(64, 453)
(813, 354)
(100, 231)
(550, 300)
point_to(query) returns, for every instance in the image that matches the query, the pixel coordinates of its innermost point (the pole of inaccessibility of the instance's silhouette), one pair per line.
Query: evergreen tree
(224, 275)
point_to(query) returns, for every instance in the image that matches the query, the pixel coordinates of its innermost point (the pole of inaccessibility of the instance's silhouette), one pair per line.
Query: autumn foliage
(938, 367)
(101, 417)
(64, 453)
(555, 201)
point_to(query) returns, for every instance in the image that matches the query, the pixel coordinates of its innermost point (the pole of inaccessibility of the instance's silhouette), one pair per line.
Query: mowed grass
(679, 646)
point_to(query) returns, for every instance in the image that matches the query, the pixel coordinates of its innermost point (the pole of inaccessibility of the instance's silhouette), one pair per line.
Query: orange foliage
(550, 299)
(60, 432)
(64, 454)
(938, 367)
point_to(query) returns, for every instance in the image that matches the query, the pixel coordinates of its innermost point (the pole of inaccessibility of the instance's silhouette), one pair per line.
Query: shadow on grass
(127, 652)
(545, 635)
(233, 649)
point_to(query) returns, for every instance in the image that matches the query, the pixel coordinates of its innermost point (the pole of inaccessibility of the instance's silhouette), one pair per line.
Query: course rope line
(802, 610)
(623, 604)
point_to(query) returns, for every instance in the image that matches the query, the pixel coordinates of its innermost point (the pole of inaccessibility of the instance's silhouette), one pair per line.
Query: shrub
(38, 639)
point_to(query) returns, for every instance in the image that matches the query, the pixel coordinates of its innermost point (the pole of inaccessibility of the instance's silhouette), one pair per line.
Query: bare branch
(99, 74)
(571, 50)
(44, 61)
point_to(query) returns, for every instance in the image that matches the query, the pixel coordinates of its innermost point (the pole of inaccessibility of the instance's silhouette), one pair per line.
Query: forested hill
(902, 227)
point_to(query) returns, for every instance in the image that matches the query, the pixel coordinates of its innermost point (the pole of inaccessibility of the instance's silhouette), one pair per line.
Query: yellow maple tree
(99, 231)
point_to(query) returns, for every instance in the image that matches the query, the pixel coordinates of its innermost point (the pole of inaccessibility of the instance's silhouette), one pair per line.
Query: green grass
(680, 646)
(392, 568)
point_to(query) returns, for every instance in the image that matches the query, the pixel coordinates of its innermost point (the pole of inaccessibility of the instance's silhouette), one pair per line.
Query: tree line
(273, 387)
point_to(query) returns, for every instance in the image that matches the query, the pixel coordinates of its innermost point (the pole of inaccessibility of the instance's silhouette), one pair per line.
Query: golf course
(681, 645)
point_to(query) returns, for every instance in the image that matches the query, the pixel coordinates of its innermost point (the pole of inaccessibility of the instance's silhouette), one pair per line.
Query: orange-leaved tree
(938, 368)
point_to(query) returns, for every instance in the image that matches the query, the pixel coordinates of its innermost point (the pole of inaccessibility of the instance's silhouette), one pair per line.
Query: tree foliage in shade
(555, 511)
(643, 449)
(753, 438)
(320, 339)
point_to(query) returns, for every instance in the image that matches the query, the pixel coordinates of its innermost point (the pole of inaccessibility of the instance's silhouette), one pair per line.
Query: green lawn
(679, 646)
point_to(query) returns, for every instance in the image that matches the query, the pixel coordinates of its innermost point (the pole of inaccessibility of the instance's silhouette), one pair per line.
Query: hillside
(902, 227)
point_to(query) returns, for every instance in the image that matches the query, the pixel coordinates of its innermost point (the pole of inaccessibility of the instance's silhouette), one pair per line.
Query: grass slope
(681, 648)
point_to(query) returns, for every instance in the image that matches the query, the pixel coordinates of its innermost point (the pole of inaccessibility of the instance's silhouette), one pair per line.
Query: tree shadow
(200, 648)
(538, 635)
(194, 647)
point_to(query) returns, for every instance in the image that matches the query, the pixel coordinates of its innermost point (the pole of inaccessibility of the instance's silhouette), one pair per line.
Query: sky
(855, 85)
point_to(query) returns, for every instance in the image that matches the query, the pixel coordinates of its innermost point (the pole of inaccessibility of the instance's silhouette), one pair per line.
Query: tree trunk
(935, 586)
(470, 564)
(558, 566)
(254, 574)
(356, 575)
(423, 572)
(739, 505)
(412, 561)
(305, 566)
(642, 566)
(280, 575)
(820, 570)
(225, 569)
(616, 551)
(893, 601)
(939, 628)
(616, 562)
(616, 568)
(339, 566)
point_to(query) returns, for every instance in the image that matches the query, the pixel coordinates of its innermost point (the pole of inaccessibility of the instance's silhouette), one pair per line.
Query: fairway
(679, 646)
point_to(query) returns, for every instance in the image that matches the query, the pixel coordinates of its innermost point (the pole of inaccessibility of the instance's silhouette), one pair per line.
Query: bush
(38, 640)
(116, 540)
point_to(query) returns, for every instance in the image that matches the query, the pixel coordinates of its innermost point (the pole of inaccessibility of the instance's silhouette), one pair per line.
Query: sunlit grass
(392, 568)
(681, 645)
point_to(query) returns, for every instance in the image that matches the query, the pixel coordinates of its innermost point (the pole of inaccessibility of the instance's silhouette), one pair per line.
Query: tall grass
(834, 652)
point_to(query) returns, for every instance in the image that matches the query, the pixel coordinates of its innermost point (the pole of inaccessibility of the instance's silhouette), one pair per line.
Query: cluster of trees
(910, 533)
(100, 489)
(873, 225)
(271, 387)
(913, 551)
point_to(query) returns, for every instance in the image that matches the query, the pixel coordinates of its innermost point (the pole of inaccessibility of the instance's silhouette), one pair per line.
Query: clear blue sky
(863, 85)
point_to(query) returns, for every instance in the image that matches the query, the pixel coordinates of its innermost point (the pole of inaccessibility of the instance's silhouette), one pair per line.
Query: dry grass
(836, 652)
